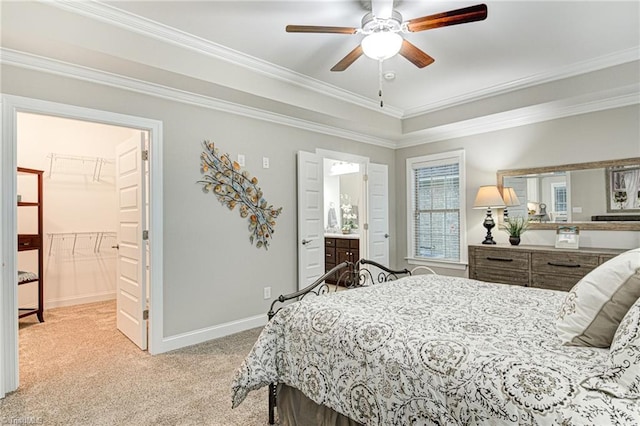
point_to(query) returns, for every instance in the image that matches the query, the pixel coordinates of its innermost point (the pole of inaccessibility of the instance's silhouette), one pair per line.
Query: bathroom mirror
(601, 195)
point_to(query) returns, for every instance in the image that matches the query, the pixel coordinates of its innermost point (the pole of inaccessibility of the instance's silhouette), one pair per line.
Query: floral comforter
(434, 350)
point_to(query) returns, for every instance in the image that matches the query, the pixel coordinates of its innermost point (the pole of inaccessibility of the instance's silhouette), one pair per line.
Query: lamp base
(488, 224)
(488, 240)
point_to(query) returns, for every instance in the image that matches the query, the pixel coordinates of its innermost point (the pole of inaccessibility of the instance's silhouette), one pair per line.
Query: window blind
(437, 211)
(560, 198)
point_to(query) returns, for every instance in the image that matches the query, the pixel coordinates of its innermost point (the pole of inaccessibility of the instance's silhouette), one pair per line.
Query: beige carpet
(77, 369)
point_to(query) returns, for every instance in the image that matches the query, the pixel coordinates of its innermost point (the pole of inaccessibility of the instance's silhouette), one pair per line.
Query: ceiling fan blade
(319, 29)
(416, 56)
(452, 17)
(348, 60)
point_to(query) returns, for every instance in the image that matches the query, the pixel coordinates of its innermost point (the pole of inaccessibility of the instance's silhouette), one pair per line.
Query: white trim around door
(11, 106)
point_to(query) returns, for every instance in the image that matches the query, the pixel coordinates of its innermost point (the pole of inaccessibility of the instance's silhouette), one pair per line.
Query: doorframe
(11, 106)
(364, 196)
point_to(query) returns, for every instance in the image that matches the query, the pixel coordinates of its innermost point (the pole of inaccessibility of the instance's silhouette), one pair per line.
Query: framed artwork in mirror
(623, 189)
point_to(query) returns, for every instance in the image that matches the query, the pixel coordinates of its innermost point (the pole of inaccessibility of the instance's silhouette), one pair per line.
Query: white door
(131, 266)
(378, 202)
(310, 218)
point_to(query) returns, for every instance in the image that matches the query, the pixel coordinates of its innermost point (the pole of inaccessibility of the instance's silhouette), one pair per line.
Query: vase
(514, 241)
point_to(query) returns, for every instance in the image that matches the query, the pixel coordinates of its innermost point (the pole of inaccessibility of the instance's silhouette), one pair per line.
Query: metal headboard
(347, 275)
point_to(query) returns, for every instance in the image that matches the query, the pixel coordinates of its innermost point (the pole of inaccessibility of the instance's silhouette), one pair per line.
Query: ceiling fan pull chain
(380, 83)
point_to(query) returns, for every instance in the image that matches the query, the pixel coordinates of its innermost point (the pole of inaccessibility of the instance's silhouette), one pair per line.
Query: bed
(429, 349)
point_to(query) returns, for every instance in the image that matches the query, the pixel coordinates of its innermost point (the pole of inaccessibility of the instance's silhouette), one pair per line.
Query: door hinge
(145, 314)
(145, 155)
(365, 226)
(145, 235)
(365, 178)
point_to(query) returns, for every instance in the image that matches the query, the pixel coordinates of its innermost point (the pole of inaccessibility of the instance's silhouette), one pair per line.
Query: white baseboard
(79, 300)
(204, 334)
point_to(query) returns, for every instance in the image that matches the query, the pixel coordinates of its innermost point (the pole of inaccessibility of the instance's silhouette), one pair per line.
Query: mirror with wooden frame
(600, 195)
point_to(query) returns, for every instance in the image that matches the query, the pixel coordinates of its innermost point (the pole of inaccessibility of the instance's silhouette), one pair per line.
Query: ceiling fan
(382, 27)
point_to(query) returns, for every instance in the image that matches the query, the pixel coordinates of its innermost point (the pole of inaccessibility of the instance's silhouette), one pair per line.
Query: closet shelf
(97, 167)
(80, 242)
(33, 242)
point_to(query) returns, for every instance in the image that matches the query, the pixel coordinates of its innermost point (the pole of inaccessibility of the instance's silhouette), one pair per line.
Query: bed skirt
(294, 408)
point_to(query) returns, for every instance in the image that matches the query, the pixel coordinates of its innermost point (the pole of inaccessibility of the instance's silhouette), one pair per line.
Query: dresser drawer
(567, 263)
(497, 259)
(330, 255)
(501, 275)
(347, 242)
(554, 281)
(342, 242)
(329, 242)
(604, 257)
(28, 241)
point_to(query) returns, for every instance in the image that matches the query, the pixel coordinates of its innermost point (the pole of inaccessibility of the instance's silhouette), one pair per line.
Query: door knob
(117, 247)
(386, 235)
(305, 242)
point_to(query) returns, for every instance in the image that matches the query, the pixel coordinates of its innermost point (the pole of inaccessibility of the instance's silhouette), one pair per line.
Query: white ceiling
(519, 41)
(235, 56)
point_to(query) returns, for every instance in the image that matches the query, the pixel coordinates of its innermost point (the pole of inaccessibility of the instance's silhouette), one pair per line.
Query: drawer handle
(25, 243)
(500, 259)
(564, 265)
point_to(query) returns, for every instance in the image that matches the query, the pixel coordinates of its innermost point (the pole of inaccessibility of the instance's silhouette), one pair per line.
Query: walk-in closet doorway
(79, 235)
(100, 234)
(83, 185)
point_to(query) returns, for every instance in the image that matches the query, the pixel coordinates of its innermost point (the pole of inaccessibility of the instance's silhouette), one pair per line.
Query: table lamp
(510, 199)
(488, 197)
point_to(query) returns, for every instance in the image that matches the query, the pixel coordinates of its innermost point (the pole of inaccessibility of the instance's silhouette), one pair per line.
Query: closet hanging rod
(98, 162)
(98, 237)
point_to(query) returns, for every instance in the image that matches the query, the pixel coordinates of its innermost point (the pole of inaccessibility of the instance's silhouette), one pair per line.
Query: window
(559, 198)
(436, 211)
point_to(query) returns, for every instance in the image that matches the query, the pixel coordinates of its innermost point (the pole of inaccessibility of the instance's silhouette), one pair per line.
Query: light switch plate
(241, 160)
(265, 162)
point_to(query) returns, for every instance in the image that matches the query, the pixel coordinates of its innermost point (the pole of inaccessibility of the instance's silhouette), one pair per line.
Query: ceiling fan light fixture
(381, 45)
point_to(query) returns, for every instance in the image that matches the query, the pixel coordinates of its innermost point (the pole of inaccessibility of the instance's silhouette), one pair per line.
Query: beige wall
(605, 135)
(588, 193)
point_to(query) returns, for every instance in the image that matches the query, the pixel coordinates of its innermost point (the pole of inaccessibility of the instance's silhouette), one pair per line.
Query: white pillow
(621, 377)
(594, 307)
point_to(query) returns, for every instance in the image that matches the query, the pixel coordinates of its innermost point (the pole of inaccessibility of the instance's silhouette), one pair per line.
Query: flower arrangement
(233, 187)
(515, 226)
(349, 217)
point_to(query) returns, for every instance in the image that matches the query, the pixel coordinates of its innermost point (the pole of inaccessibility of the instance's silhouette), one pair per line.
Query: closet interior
(69, 248)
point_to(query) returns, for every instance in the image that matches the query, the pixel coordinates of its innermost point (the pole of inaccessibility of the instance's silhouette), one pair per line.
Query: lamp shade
(509, 196)
(381, 45)
(488, 197)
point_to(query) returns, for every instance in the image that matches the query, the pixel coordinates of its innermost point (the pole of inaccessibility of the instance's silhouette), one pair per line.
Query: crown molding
(625, 96)
(149, 28)
(51, 66)
(616, 98)
(595, 64)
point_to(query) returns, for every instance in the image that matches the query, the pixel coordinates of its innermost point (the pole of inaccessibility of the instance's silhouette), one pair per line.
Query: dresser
(338, 250)
(535, 266)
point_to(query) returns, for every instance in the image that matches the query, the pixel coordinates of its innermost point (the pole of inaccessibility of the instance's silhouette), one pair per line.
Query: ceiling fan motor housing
(371, 24)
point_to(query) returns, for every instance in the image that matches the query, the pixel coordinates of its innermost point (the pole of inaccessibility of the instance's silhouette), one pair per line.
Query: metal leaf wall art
(234, 187)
